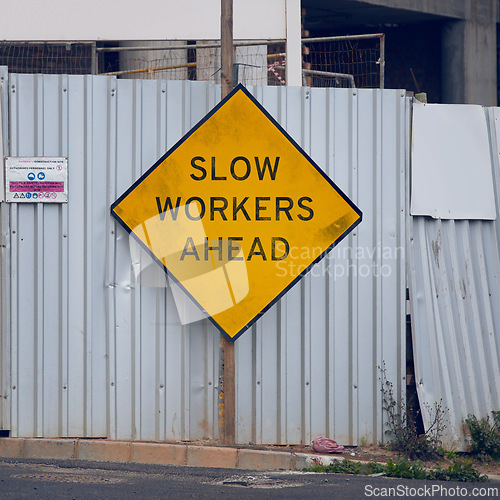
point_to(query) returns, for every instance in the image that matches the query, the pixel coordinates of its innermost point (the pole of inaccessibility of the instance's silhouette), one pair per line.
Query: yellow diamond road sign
(236, 213)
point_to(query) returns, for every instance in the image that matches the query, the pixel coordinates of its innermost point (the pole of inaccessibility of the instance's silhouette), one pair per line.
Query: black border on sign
(239, 88)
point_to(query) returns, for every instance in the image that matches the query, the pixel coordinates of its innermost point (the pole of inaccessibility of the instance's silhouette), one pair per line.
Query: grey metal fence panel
(94, 353)
(314, 356)
(455, 293)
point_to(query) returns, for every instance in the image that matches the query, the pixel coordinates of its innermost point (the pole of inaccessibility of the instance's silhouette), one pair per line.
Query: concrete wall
(469, 48)
(469, 57)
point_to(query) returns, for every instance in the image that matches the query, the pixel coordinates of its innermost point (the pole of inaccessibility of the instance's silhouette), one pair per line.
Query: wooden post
(229, 413)
(229, 394)
(226, 35)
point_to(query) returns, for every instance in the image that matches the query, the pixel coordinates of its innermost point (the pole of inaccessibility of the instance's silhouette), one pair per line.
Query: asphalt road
(75, 479)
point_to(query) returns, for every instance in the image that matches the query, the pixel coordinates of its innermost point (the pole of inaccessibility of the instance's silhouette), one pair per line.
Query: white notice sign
(36, 179)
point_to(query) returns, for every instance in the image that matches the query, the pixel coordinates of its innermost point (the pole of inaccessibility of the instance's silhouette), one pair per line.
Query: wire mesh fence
(254, 62)
(349, 61)
(72, 58)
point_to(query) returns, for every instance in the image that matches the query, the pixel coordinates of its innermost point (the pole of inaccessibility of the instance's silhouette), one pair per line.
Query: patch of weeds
(317, 468)
(459, 471)
(402, 468)
(485, 434)
(339, 467)
(448, 454)
(402, 425)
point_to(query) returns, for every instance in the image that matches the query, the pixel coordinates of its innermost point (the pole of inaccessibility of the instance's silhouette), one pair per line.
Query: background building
(446, 48)
(450, 45)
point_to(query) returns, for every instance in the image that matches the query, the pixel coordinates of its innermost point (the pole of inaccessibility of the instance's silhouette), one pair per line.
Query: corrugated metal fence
(89, 352)
(455, 292)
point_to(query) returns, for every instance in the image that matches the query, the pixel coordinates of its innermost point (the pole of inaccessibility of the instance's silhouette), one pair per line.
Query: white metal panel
(94, 353)
(451, 164)
(96, 347)
(455, 291)
(315, 354)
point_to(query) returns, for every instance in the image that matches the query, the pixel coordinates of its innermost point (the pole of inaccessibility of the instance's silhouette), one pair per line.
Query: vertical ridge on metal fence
(5, 341)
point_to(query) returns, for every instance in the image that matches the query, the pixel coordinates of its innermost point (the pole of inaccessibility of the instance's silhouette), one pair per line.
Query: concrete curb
(156, 453)
(104, 450)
